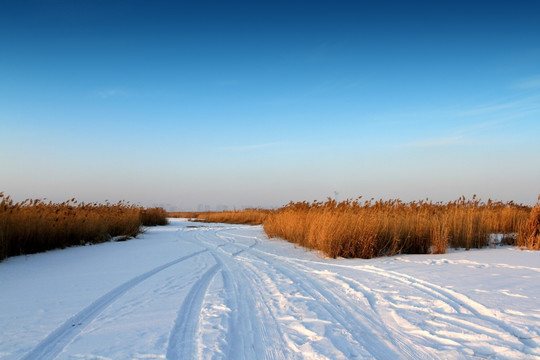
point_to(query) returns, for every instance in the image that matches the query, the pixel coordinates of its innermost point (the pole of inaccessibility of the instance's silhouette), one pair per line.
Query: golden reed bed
(366, 229)
(33, 226)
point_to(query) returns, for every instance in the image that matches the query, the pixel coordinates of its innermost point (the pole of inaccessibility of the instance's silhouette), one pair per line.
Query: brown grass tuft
(33, 226)
(183, 214)
(529, 236)
(247, 216)
(369, 229)
(153, 216)
(366, 229)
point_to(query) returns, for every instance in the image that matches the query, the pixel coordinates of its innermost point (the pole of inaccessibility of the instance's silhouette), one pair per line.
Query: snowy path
(211, 291)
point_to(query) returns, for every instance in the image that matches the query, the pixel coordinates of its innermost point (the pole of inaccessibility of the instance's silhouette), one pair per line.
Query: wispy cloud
(249, 147)
(482, 110)
(524, 104)
(472, 124)
(438, 141)
(496, 110)
(475, 127)
(528, 83)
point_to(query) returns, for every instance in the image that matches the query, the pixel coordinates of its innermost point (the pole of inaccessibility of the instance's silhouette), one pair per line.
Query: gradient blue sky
(260, 103)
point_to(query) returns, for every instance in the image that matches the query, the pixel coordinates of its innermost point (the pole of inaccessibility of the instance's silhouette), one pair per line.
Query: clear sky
(260, 103)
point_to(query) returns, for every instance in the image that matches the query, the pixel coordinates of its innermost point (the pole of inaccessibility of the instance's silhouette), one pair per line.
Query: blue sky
(260, 103)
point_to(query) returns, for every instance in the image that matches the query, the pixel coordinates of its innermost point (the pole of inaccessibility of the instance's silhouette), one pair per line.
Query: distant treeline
(33, 226)
(366, 229)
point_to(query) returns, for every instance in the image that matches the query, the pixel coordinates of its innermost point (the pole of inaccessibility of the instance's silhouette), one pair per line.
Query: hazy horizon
(190, 104)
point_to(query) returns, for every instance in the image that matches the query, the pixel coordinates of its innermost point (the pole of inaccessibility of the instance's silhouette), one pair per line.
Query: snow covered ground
(208, 291)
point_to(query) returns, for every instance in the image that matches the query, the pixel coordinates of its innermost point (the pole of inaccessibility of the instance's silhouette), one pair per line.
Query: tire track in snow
(456, 300)
(414, 341)
(230, 238)
(452, 298)
(241, 324)
(57, 340)
(182, 340)
(362, 333)
(292, 315)
(407, 346)
(328, 302)
(245, 321)
(394, 342)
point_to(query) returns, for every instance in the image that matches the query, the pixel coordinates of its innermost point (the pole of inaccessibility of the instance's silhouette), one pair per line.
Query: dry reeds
(369, 229)
(529, 236)
(366, 229)
(33, 226)
(183, 214)
(246, 216)
(153, 216)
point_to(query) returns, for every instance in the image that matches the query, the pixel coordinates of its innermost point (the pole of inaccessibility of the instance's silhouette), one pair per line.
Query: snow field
(227, 292)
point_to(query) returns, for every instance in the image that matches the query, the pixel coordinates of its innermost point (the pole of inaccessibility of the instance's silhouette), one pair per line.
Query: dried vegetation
(529, 236)
(247, 216)
(376, 228)
(366, 229)
(352, 228)
(33, 226)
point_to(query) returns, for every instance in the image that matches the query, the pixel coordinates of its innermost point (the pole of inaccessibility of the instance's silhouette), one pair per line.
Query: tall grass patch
(153, 216)
(246, 216)
(529, 235)
(33, 226)
(367, 229)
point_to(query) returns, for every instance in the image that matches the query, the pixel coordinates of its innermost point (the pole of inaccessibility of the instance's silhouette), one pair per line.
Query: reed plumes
(529, 236)
(369, 229)
(34, 225)
(366, 229)
(153, 216)
(247, 216)
(183, 214)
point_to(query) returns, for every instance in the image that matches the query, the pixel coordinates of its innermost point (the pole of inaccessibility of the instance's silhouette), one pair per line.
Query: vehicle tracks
(458, 301)
(57, 340)
(181, 340)
(253, 329)
(362, 335)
